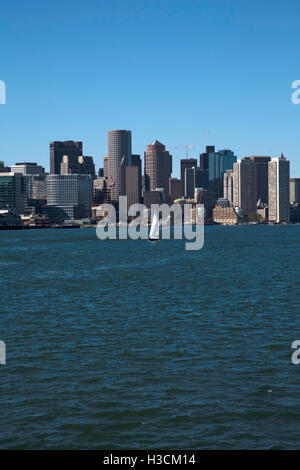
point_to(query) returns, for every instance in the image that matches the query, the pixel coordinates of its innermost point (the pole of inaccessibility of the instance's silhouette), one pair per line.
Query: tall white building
(228, 186)
(279, 190)
(119, 155)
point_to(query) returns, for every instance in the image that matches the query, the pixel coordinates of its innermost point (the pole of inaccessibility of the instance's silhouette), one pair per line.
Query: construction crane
(113, 181)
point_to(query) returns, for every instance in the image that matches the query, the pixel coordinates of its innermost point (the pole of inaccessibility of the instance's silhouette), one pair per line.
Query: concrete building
(195, 178)
(261, 169)
(27, 168)
(83, 166)
(175, 189)
(158, 168)
(132, 181)
(184, 164)
(105, 166)
(228, 186)
(244, 185)
(153, 197)
(119, 155)
(100, 191)
(12, 192)
(69, 196)
(295, 190)
(59, 149)
(225, 215)
(279, 190)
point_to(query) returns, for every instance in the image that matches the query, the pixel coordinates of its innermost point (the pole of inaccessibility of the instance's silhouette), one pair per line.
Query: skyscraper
(83, 166)
(204, 157)
(69, 196)
(105, 166)
(218, 163)
(279, 190)
(175, 189)
(295, 190)
(244, 185)
(12, 192)
(186, 163)
(119, 155)
(261, 169)
(158, 168)
(59, 149)
(228, 186)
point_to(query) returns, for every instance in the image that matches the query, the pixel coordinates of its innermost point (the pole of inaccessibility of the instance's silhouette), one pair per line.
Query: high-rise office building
(261, 169)
(33, 178)
(105, 166)
(228, 186)
(119, 155)
(244, 185)
(136, 161)
(204, 164)
(58, 149)
(279, 190)
(295, 190)
(132, 184)
(184, 164)
(28, 168)
(194, 178)
(158, 168)
(218, 163)
(12, 192)
(69, 196)
(83, 166)
(175, 189)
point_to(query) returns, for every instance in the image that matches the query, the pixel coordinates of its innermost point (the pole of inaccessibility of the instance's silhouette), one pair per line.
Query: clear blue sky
(185, 72)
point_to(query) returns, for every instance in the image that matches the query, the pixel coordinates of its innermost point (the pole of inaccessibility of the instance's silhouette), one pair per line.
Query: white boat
(154, 231)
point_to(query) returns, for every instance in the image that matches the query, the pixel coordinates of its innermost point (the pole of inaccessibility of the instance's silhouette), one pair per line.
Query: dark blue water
(122, 344)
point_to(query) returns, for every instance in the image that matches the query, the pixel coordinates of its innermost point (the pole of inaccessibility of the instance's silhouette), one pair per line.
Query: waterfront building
(136, 161)
(12, 192)
(69, 196)
(195, 178)
(175, 189)
(261, 169)
(119, 155)
(132, 181)
(100, 191)
(279, 190)
(158, 168)
(184, 164)
(208, 199)
(295, 190)
(153, 197)
(218, 163)
(224, 215)
(228, 186)
(58, 149)
(244, 185)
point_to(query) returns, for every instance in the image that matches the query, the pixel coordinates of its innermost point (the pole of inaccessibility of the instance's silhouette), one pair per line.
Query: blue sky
(185, 72)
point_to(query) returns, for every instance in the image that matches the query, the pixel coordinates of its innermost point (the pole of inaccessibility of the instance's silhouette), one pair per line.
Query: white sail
(154, 231)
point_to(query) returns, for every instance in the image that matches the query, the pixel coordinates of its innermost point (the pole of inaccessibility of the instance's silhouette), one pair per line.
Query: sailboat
(154, 231)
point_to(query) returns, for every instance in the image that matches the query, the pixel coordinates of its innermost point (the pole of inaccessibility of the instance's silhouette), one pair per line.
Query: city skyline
(232, 86)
